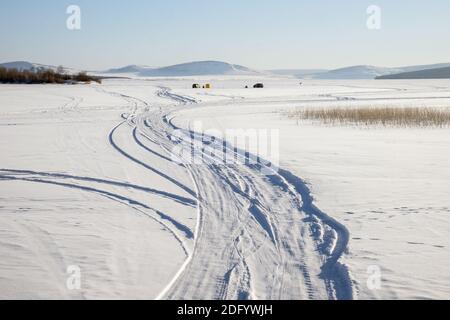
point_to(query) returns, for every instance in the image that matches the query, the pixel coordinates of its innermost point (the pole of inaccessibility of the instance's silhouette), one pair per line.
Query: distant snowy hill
(130, 69)
(211, 68)
(437, 73)
(25, 65)
(199, 68)
(299, 73)
(371, 72)
(356, 72)
(425, 67)
(20, 65)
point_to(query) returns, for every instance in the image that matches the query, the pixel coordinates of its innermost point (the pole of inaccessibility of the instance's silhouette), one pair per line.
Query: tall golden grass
(382, 116)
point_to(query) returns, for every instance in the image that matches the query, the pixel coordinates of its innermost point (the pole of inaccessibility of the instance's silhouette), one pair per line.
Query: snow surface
(86, 179)
(388, 186)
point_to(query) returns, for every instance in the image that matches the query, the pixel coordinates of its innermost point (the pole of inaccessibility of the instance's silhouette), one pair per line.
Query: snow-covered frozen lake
(87, 181)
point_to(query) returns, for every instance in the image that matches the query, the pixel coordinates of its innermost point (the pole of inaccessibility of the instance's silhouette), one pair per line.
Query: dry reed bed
(384, 116)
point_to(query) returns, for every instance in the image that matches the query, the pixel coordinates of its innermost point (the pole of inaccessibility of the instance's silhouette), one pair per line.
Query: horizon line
(230, 63)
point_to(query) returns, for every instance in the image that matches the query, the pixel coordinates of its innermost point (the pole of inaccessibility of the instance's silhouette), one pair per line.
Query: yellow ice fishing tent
(207, 86)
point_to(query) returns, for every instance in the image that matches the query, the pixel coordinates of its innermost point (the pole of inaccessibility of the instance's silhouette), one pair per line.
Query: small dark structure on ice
(196, 86)
(258, 85)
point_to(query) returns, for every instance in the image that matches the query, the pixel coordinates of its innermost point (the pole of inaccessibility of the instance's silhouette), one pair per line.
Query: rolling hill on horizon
(196, 68)
(210, 68)
(437, 73)
(25, 65)
(371, 72)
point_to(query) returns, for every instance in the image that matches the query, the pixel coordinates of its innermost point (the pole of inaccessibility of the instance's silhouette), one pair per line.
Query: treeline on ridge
(36, 76)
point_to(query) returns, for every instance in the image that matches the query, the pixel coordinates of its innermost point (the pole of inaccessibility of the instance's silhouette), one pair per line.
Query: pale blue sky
(261, 34)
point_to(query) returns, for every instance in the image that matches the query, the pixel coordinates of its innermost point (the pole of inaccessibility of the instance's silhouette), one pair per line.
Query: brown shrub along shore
(15, 76)
(385, 116)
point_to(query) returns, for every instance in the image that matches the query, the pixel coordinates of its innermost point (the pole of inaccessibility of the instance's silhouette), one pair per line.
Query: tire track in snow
(135, 136)
(131, 120)
(336, 276)
(116, 197)
(164, 194)
(274, 267)
(143, 164)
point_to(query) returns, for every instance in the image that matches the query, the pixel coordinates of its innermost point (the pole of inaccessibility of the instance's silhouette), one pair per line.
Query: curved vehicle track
(258, 236)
